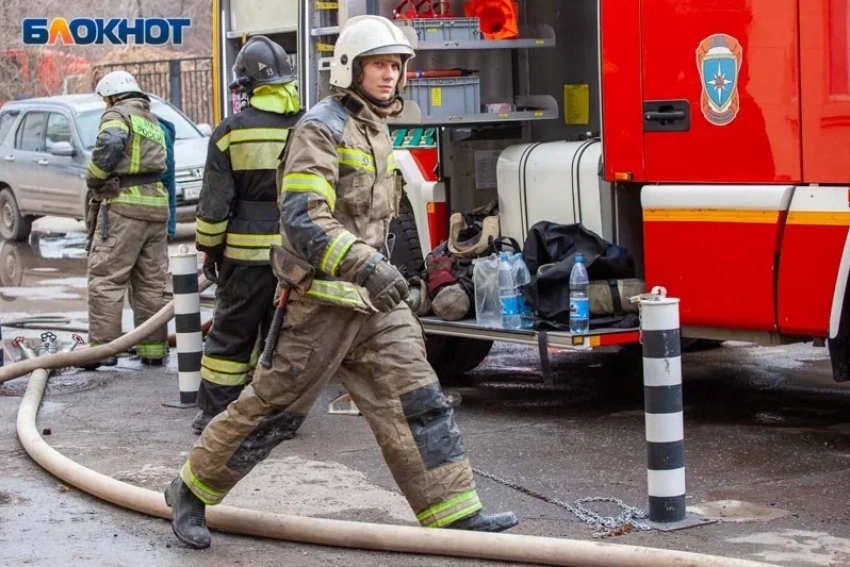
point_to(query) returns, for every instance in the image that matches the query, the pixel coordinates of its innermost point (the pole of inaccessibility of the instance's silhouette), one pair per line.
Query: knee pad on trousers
(432, 423)
(269, 433)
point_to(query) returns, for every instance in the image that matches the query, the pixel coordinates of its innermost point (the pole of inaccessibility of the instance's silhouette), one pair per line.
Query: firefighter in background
(129, 246)
(238, 219)
(337, 199)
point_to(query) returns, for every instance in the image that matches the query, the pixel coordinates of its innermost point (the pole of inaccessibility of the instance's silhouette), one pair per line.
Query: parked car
(45, 148)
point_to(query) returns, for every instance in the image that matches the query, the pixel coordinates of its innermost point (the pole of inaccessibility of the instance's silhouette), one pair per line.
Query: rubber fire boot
(481, 522)
(200, 422)
(108, 361)
(188, 518)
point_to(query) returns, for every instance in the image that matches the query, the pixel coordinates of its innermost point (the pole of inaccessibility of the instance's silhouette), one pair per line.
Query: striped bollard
(187, 320)
(665, 431)
(2, 348)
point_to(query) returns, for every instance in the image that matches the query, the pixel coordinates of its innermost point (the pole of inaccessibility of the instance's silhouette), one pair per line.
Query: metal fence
(185, 83)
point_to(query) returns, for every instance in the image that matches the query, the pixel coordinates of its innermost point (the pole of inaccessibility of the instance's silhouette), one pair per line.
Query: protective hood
(281, 99)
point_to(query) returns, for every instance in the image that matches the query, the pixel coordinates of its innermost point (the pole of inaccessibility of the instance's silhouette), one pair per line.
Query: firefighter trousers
(132, 258)
(244, 306)
(380, 359)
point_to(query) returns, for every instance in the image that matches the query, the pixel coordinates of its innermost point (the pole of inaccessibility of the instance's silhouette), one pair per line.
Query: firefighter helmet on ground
(363, 36)
(262, 62)
(117, 83)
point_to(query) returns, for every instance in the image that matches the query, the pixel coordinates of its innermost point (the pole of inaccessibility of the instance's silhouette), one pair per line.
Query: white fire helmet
(362, 36)
(117, 83)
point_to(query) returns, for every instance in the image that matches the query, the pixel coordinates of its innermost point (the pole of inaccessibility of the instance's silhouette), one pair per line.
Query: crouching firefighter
(348, 318)
(238, 219)
(128, 245)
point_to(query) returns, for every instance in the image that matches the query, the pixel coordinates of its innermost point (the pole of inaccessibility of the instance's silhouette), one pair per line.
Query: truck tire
(451, 357)
(407, 253)
(13, 226)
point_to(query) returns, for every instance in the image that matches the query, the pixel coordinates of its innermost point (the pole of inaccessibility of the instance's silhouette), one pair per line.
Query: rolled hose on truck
(338, 533)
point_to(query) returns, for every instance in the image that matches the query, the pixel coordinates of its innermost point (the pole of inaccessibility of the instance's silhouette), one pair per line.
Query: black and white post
(665, 431)
(187, 321)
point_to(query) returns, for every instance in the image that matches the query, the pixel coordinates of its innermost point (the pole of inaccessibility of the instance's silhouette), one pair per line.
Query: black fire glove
(385, 284)
(211, 268)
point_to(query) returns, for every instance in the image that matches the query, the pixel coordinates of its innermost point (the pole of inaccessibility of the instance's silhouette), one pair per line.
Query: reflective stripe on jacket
(338, 195)
(131, 146)
(237, 214)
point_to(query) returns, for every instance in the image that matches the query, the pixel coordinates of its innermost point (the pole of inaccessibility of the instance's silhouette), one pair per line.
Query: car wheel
(11, 267)
(13, 226)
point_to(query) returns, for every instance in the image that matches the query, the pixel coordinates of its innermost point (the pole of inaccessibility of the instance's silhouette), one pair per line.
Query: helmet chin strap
(373, 100)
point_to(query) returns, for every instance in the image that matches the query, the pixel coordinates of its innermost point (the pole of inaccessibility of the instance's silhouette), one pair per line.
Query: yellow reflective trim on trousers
(252, 135)
(96, 171)
(310, 182)
(114, 124)
(136, 156)
(223, 379)
(211, 228)
(449, 507)
(337, 292)
(255, 155)
(157, 202)
(224, 365)
(253, 240)
(151, 350)
(207, 240)
(356, 159)
(247, 254)
(335, 251)
(448, 520)
(207, 495)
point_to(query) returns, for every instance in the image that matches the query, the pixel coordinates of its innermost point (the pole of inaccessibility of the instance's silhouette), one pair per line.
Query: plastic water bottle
(522, 277)
(579, 299)
(508, 294)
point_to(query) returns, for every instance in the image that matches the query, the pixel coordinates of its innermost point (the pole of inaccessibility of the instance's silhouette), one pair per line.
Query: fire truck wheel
(13, 226)
(407, 253)
(452, 357)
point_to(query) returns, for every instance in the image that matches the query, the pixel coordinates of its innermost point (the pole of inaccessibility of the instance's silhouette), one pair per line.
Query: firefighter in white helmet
(337, 199)
(128, 246)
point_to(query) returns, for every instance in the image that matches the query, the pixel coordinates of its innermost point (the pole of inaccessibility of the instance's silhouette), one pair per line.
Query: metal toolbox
(447, 96)
(444, 29)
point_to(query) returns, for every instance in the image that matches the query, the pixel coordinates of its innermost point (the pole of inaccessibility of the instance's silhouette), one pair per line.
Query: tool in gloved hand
(293, 272)
(109, 190)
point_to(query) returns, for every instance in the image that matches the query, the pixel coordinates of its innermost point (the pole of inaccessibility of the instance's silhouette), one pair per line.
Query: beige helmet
(117, 83)
(364, 36)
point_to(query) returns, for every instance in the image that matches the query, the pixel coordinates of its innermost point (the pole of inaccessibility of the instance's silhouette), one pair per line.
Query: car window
(183, 127)
(7, 120)
(58, 129)
(30, 136)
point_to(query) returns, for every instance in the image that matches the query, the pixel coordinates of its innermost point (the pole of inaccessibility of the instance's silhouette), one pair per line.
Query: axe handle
(274, 329)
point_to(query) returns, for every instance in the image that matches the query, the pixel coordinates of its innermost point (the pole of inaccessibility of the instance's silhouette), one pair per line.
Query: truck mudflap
(558, 340)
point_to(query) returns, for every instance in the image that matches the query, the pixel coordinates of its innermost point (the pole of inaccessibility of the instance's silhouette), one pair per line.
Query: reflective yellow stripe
(114, 124)
(223, 379)
(211, 228)
(157, 202)
(207, 495)
(447, 512)
(336, 292)
(310, 182)
(136, 158)
(209, 241)
(391, 163)
(335, 251)
(356, 158)
(247, 254)
(96, 171)
(255, 155)
(150, 130)
(151, 350)
(253, 240)
(252, 135)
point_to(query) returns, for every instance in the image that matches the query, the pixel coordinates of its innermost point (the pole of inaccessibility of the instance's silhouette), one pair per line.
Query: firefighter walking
(238, 219)
(128, 246)
(337, 199)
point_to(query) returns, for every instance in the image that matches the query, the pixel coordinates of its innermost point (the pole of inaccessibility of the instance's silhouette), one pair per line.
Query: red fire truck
(709, 137)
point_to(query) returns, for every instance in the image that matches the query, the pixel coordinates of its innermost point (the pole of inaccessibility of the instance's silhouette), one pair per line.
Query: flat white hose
(378, 537)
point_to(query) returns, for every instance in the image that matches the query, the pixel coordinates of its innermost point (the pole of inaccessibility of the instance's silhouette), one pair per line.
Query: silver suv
(45, 148)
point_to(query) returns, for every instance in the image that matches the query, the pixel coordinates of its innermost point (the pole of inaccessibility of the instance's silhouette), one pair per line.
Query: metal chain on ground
(607, 525)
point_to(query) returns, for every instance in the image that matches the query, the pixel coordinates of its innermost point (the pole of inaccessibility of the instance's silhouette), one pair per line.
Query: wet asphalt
(765, 426)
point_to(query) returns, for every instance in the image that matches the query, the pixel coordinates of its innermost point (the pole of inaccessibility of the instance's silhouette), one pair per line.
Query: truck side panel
(736, 64)
(621, 89)
(825, 66)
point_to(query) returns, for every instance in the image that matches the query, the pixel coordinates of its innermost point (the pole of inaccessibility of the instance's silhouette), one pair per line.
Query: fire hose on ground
(337, 533)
